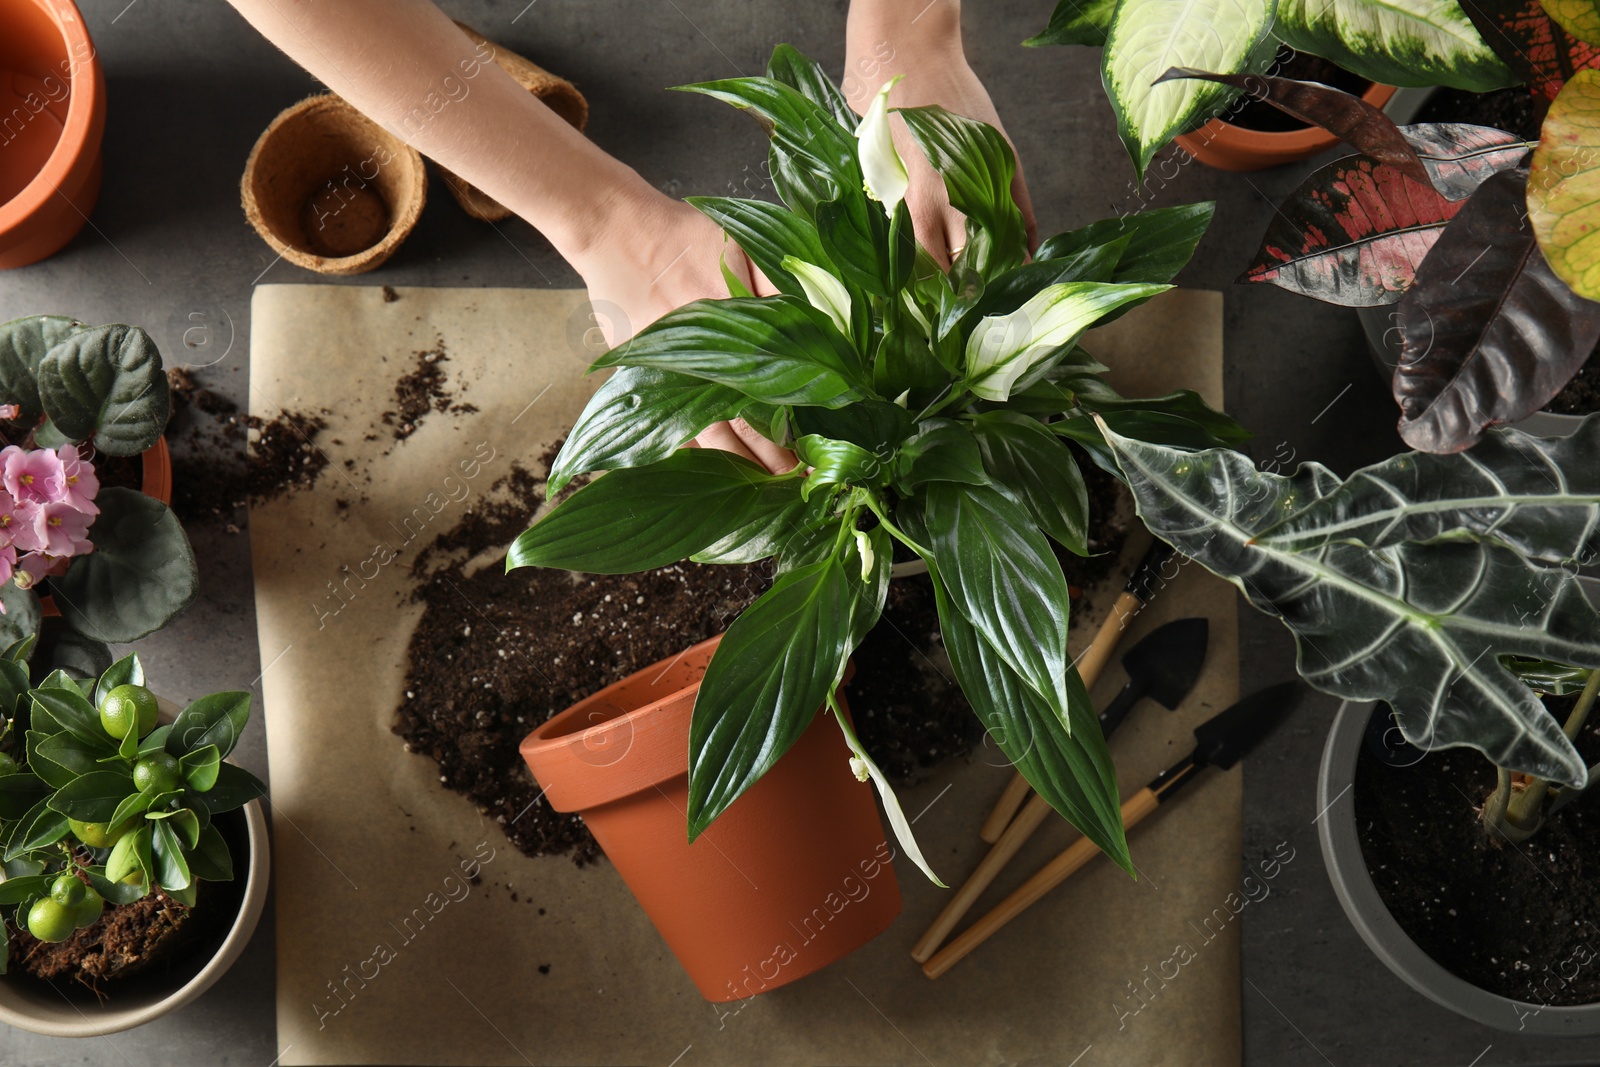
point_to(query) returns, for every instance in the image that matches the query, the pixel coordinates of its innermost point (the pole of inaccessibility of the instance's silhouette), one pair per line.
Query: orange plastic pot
(1228, 147)
(155, 481)
(52, 116)
(794, 875)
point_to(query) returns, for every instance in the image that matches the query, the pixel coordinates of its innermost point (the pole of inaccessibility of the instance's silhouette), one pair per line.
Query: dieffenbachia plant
(117, 562)
(1443, 584)
(927, 407)
(99, 805)
(1495, 315)
(1395, 42)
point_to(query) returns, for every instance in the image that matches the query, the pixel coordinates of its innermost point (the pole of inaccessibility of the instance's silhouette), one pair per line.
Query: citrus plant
(945, 411)
(99, 805)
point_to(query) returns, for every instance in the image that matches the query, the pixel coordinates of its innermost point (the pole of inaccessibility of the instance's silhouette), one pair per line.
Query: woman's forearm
(406, 66)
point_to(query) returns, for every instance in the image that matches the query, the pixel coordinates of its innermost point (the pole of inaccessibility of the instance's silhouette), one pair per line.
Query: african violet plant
(1487, 254)
(930, 408)
(118, 563)
(1395, 42)
(99, 805)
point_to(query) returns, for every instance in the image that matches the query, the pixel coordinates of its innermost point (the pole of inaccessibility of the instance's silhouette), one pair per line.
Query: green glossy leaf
(210, 858)
(40, 827)
(1002, 577)
(53, 773)
(235, 788)
(23, 889)
(107, 383)
(1394, 42)
(777, 349)
(1039, 469)
(22, 616)
(807, 77)
(70, 711)
(1421, 626)
(672, 509)
(1094, 395)
(854, 233)
(18, 652)
(1065, 760)
(875, 425)
(1147, 37)
(93, 797)
(125, 671)
(942, 450)
(767, 527)
(171, 870)
(1161, 241)
(114, 892)
(977, 165)
(773, 670)
(805, 132)
(215, 721)
(131, 805)
(140, 575)
(839, 462)
(155, 740)
(1076, 22)
(68, 751)
(13, 687)
(766, 233)
(1008, 292)
(187, 825)
(200, 767)
(24, 343)
(131, 854)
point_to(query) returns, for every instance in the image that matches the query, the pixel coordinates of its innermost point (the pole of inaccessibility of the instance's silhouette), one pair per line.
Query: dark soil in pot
(1522, 921)
(1581, 396)
(495, 654)
(1302, 66)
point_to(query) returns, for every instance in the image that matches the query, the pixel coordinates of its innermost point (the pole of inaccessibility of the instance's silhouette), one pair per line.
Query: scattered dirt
(421, 391)
(1511, 109)
(495, 655)
(125, 941)
(1301, 66)
(1519, 920)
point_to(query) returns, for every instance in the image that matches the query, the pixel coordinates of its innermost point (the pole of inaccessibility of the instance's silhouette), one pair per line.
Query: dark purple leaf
(1528, 41)
(1489, 333)
(1353, 234)
(1459, 156)
(1349, 118)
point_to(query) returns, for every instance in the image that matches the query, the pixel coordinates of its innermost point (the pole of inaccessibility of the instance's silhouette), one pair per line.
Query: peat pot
(794, 875)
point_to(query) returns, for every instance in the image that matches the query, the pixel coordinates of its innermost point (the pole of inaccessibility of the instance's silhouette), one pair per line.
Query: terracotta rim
(1263, 149)
(84, 124)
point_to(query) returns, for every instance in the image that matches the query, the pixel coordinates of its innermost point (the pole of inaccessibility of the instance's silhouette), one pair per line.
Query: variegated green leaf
(1421, 626)
(1149, 37)
(1395, 42)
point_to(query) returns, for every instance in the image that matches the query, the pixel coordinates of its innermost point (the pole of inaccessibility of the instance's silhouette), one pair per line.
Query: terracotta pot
(156, 482)
(793, 876)
(53, 101)
(1228, 147)
(331, 190)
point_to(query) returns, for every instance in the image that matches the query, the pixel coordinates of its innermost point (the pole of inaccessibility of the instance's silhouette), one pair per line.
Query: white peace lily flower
(864, 546)
(859, 769)
(825, 292)
(881, 166)
(1002, 348)
(903, 398)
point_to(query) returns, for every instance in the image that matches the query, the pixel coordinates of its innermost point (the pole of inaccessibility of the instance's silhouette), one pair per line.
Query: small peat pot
(552, 90)
(53, 97)
(224, 918)
(795, 874)
(1236, 144)
(330, 190)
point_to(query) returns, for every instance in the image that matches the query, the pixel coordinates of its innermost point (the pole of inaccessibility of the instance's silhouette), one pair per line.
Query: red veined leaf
(1349, 118)
(1489, 333)
(1354, 234)
(1460, 156)
(1530, 42)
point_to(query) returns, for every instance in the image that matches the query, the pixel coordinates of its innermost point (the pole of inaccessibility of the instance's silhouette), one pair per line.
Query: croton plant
(101, 806)
(944, 410)
(74, 398)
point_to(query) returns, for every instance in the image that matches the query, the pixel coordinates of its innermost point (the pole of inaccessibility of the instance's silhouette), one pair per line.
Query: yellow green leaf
(1581, 18)
(1564, 185)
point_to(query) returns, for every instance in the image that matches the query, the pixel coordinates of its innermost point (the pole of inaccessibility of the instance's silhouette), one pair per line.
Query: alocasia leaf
(1421, 626)
(1536, 49)
(1148, 38)
(1564, 185)
(1076, 22)
(1394, 42)
(1489, 333)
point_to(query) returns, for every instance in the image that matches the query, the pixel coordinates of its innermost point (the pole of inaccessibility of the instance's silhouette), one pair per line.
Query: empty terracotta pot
(558, 94)
(331, 190)
(52, 116)
(1228, 147)
(794, 875)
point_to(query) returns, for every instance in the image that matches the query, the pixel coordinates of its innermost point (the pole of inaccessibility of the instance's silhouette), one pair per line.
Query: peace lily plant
(934, 409)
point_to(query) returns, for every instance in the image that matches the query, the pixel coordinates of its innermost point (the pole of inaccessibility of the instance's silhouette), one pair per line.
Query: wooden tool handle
(1013, 839)
(1048, 877)
(1090, 666)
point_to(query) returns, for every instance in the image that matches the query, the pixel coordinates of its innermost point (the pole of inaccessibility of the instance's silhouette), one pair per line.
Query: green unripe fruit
(7, 765)
(157, 773)
(128, 707)
(50, 920)
(87, 912)
(67, 890)
(98, 834)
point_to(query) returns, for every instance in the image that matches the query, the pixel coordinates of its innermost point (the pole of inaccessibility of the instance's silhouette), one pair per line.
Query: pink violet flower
(32, 568)
(80, 484)
(32, 477)
(18, 525)
(63, 529)
(8, 565)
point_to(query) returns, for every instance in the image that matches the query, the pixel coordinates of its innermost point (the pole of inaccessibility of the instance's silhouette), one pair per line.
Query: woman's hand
(922, 42)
